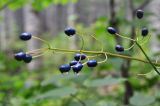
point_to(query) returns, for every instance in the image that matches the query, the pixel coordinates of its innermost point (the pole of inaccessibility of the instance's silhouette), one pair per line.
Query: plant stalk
(103, 52)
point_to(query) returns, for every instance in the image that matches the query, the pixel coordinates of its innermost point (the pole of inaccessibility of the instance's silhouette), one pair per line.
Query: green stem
(103, 52)
(35, 37)
(152, 64)
(101, 44)
(81, 37)
(37, 50)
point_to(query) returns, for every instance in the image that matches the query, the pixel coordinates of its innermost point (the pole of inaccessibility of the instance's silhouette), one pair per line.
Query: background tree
(104, 85)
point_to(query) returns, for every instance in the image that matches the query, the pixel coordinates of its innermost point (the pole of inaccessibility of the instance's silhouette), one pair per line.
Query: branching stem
(107, 53)
(152, 64)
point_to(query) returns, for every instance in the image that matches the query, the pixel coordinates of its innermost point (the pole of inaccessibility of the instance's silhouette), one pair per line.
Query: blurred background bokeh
(113, 83)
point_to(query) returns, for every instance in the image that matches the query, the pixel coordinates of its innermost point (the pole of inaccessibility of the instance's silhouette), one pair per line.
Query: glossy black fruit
(139, 13)
(25, 36)
(77, 68)
(144, 32)
(119, 48)
(65, 68)
(111, 30)
(27, 58)
(92, 63)
(19, 56)
(70, 31)
(79, 56)
(73, 62)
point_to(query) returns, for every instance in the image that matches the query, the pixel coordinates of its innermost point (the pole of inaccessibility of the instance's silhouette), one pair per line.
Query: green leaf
(2, 66)
(52, 80)
(46, 3)
(141, 100)
(151, 74)
(18, 101)
(88, 102)
(157, 94)
(106, 103)
(104, 81)
(54, 94)
(17, 4)
(57, 78)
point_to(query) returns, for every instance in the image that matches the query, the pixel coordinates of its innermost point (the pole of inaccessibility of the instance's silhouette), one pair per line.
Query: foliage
(141, 100)
(37, 4)
(102, 86)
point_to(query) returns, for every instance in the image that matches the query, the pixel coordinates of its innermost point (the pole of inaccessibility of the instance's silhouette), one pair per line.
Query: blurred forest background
(113, 83)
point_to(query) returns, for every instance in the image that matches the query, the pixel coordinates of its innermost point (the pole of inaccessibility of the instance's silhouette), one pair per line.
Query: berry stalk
(147, 58)
(103, 52)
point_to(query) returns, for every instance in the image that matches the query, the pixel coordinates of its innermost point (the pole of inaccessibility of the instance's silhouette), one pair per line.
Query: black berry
(27, 58)
(92, 63)
(19, 56)
(25, 36)
(64, 68)
(77, 68)
(73, 62)
(111, 30)
(70, 31)
(119, 48)
(79, 56)
(139, 13)
(144, 32)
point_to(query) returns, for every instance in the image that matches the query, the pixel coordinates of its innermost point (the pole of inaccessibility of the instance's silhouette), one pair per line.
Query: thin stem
(98, 41)
(104, 60)
(82, 46)
(86, 61)
(100, 52)
(94, 56)
(125, 37)
(35, 37)
(145, 40)
(40, 54)
(130, 47)
(37, 50)
(64, 52)
(145, 73)
(147, 58)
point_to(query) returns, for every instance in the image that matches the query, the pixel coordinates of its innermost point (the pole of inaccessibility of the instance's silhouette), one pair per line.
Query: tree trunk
(18, 15)
(113, 20)
(71, 23)
(126, 63)
(155, 22)
(3, 39)
(32, 24)
(125, 67)
(7, 28)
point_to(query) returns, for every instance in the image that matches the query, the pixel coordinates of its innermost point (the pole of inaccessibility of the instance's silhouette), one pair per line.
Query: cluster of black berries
(144, 30)
(76, 64)
(27, 58)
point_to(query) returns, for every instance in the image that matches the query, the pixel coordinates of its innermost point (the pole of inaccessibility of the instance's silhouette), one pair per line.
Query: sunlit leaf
(53, 94)
(104, 81)
(141, 100)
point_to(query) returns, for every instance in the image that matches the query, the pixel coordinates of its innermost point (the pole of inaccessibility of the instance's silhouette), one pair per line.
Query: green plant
(80, 56)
